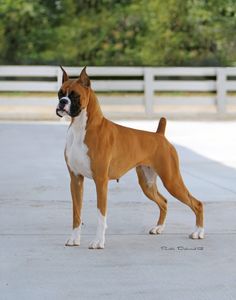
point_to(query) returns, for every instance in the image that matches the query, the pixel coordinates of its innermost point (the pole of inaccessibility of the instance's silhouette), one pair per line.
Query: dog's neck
(95, 115)
(93, 112)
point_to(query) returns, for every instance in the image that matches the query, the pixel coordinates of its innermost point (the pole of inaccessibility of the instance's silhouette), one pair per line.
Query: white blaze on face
(67, 106)
(66, 109)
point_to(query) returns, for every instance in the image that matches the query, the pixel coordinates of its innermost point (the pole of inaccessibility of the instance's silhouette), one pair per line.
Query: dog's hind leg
(147, 180)
(173, 182)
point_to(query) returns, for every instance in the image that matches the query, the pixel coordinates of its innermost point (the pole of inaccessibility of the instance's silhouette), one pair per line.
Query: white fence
(147, 80)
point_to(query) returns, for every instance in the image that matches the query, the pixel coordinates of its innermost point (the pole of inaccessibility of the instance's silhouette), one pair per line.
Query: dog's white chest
(76, 150)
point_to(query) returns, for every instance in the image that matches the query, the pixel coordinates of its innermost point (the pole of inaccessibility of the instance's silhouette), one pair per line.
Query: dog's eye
(60, 94)
(74, 96)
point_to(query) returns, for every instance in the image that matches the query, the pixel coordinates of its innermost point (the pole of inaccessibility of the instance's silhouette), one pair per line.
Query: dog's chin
(75, 114)
(61, 113)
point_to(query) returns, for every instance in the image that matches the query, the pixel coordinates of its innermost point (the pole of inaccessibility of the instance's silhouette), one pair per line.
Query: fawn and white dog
(102, 150)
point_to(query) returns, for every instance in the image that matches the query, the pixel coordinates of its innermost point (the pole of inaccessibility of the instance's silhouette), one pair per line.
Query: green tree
(111, 32)
(191, 32)
(26, 28)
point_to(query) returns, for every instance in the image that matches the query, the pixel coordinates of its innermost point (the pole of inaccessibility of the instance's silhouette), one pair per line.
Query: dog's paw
(97, 244)
(74, 239)
(197, 234)
(157, 229)
(72, 242)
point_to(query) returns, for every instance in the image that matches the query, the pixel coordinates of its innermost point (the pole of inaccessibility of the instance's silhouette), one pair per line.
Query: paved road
(35, 220)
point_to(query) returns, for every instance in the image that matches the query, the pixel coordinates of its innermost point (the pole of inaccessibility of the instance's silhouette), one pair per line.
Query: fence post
(59, 77)
(148, 91)
(221, 90)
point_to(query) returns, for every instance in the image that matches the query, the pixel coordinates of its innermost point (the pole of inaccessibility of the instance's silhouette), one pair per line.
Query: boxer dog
(99, 149)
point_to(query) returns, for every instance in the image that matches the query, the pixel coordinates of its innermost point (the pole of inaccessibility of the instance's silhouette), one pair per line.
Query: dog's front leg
(101, 188)
(76, 187)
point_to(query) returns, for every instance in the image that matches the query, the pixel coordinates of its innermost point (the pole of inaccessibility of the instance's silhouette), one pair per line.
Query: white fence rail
(147, 80)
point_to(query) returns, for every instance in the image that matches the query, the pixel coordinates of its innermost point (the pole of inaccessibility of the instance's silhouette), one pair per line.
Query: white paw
(97, 244)
(198, 233)
(73, 242)
(74, 239)
(157, 229)
(99, 241)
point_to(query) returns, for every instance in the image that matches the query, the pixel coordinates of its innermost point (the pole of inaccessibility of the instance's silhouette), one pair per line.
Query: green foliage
(111, 32)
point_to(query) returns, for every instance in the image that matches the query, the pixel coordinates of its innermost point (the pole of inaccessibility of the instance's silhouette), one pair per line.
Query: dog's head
(73, 95)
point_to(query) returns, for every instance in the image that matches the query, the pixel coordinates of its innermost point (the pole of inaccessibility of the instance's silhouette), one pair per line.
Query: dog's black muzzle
(62, 103)
(61, 107)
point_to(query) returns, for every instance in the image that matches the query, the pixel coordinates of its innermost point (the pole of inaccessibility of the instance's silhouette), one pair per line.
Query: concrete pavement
(35, 220)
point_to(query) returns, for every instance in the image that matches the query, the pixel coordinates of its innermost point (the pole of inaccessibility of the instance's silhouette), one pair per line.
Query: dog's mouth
(61, 112)
(68, 111)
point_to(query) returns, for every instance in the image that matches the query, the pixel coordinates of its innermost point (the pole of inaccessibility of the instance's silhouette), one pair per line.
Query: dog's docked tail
(161, 126)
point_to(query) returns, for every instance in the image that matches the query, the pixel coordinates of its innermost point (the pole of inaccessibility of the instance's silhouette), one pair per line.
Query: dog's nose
(63, 102)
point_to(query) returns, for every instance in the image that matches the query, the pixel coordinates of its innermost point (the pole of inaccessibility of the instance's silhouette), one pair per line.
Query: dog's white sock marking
(198, 233)
(74, 239)
(157, 229)
(99, 241)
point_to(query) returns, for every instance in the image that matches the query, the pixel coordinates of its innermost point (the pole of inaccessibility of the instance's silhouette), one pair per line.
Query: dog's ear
(83, 78)
(65, 77)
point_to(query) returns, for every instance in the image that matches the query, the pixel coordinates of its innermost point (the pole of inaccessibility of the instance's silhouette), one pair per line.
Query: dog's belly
(77, 152)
